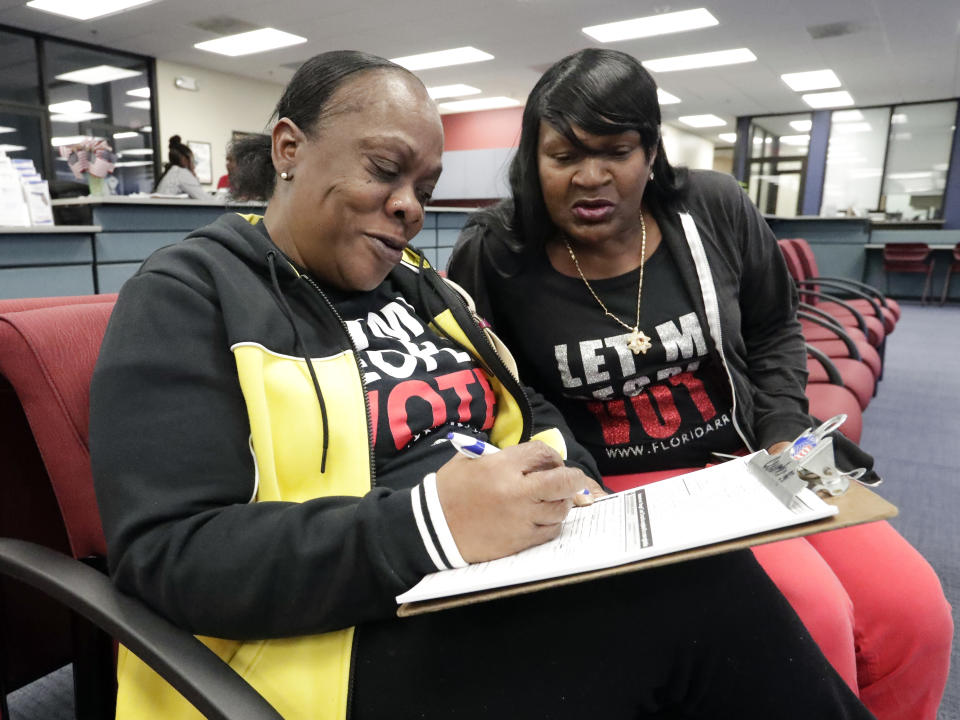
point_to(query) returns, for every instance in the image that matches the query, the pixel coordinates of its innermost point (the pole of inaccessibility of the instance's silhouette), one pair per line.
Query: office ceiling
(884, 51)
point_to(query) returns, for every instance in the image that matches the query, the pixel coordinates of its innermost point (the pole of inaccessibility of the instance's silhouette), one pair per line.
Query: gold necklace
(637, 341)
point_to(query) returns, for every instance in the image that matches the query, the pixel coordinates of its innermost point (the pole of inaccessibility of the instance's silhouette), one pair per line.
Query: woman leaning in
(652, 307)
(264, 425)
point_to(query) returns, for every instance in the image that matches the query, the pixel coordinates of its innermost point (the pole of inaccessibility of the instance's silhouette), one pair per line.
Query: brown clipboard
(856, 506)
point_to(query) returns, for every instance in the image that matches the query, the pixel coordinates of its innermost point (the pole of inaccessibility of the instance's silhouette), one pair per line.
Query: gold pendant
(638, 342)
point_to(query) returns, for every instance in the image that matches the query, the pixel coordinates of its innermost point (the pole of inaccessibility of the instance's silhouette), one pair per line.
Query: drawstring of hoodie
(301, 348)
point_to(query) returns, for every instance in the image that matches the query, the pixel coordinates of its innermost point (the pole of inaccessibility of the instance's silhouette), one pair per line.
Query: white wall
(687, 149)
(222, 103)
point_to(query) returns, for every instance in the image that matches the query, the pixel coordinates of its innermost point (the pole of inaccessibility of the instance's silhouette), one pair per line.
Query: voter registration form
(718, 503)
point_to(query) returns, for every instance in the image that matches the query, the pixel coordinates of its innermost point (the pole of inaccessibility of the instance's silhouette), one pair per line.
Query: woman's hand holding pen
(507, 501)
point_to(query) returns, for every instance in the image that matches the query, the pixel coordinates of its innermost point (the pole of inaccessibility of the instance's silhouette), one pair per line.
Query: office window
(19, 79)
(918, 155)
(855, 157)
(99, 94)
(777, 172)
(20, 136)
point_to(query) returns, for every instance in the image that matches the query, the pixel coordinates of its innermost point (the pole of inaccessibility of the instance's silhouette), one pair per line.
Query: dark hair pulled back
(306, 102)
(604, 92)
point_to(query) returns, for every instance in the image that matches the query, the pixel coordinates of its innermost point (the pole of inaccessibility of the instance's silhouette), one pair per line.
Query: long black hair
(604, 92)
(178, 155)
(305, 101)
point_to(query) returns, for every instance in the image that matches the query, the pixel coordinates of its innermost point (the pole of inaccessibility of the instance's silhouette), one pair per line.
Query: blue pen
(475, 447)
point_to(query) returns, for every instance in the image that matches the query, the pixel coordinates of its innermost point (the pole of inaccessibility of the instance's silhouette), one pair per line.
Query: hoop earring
(285, 176)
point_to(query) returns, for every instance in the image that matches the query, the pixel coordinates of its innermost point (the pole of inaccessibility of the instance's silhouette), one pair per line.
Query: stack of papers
(718, 503)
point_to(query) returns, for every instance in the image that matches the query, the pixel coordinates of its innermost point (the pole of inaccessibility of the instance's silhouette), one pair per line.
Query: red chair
(47, 354)
(849, 316)
(865, 298)
(954, 266)
(852, 374)
(909, 258)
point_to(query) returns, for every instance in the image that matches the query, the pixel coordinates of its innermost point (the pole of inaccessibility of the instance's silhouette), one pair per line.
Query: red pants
(872, 603)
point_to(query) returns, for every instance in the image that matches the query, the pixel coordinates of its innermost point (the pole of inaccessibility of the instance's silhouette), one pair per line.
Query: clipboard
(856, 506)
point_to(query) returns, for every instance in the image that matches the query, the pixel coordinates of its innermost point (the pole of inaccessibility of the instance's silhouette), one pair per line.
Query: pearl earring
(651, 175)
(284, 175)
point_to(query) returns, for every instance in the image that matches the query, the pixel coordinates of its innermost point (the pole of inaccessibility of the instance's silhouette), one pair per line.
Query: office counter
(107, 239)
(853, 248)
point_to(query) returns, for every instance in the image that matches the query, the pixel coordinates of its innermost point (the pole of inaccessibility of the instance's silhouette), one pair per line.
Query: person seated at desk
(277, 481)
(178, 176)
(653, 308)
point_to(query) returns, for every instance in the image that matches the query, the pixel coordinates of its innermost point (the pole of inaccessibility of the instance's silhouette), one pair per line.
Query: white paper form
(711, 505)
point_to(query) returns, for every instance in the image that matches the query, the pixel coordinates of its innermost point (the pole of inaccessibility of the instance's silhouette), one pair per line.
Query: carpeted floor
(912, 427)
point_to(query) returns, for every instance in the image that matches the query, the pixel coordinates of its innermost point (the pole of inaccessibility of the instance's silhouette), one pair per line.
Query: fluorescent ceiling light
(98, 74)
(137, 151)
(76, 117)
(69, 140)
(123, 135)
(801, 125)
(442, 58)
(248, 43)
(812, 80)
(728, 137)
(139, 104)
(666, 98)
(652, 25)
(794, 139)
(5, 129)
(842, 116)
(147, 129)
(70, 106)
(143, 92)
(490, 103)
(133, 163)
(447, 91)
(84, 9)
(898, 118)
(12, 148)
(700, 60)
(702, 121)
(838, 98)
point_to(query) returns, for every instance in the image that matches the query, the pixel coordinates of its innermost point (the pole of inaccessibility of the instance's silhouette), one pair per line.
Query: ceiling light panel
(702, 121)
(700, 60)
(490, 103)
(728, 137)
(76, 117)
(98, 75)
(11, 148)
(249, 43)
(794, 139)
(838, 98)
(812, 80)
(124, 135)
(139, 104)
(662, 24)
(85, 9)
(143, 92)
(801, 125)
(447, 91)
(442, 58)
(70, 106)
(666, 98)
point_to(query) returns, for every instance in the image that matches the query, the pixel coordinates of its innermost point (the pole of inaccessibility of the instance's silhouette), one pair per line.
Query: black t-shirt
(419, 385)
(668, 408)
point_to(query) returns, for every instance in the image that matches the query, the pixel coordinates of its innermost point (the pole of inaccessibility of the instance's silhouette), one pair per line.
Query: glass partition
(855, 158)
(918, 156)
(106, 96)
(19, 76)
(778, 161)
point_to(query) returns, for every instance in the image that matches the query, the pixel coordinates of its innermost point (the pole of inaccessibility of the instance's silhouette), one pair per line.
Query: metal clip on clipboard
(807, 462)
